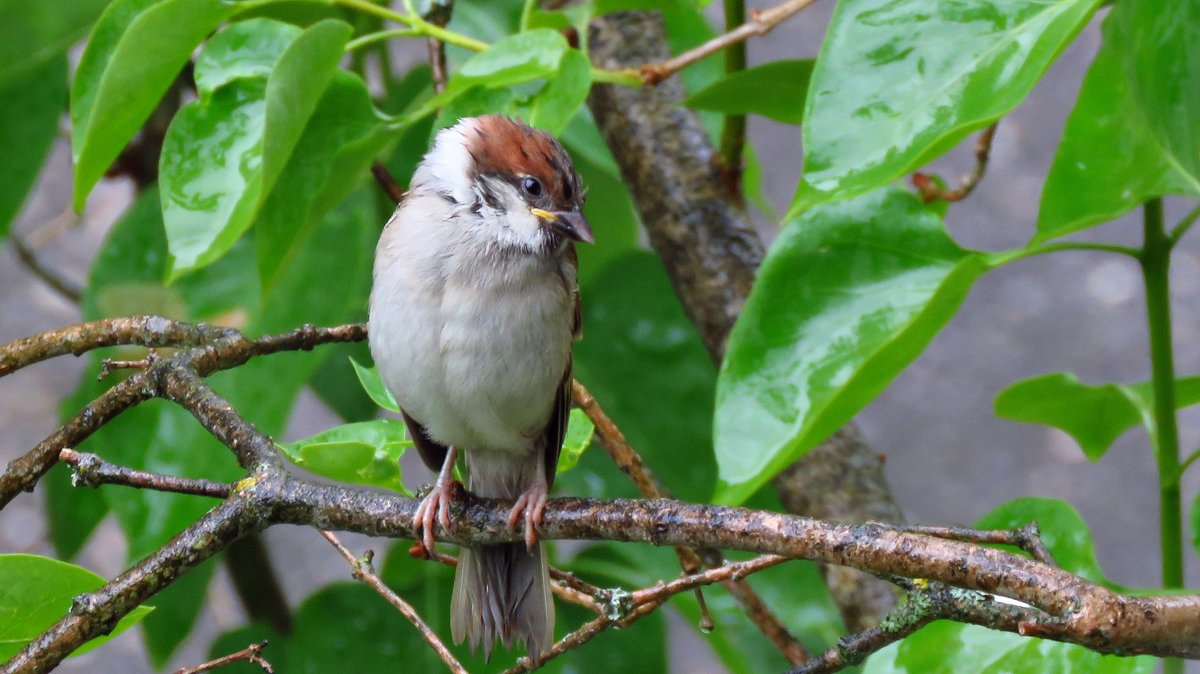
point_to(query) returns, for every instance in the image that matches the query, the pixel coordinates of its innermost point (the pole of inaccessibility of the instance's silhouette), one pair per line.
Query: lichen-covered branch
(957, 576)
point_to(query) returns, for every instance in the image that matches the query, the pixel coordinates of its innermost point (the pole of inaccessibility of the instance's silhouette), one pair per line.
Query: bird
(474, 309)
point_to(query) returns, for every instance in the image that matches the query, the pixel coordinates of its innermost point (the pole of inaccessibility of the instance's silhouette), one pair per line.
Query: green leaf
(1117, 151)
(117, 86)
(331, 158)
(372, 383)
(36, 591)
(564, 94)
(899, 82)
(1094, 415)
(30, 106)
(579, 437)
(946, 647)
(367, 452)
(775, 90)
(223, 152)
(32, 34)
(486, 76)
(849, 294)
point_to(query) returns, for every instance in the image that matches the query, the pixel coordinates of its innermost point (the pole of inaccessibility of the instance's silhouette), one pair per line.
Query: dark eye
(532, 186)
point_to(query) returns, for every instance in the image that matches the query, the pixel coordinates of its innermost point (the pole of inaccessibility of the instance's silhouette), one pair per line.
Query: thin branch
(732, 570)
(364, 572)
(89, 470)
(251, 653)
(632, 464)
(387, 182)
(438, 15)
(69, 290)
(760, 23)
(931, 191)
(78, 339)
(1027, 538)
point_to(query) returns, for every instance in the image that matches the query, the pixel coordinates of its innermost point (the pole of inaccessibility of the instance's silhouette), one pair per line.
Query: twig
(1027, 538)
(388, 182)
(251, 653)
(760, 23)
(732, 570)
(632, 464)
(364, 572)
(69, 290)
(438, 15)
(931, 191)
(89, 470)
(108, 365)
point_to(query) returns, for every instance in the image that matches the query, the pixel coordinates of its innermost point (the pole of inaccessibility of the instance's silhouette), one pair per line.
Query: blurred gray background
(949, 459)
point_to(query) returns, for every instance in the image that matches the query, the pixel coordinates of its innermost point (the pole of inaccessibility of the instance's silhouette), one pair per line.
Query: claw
(435, 507)
(530, 506)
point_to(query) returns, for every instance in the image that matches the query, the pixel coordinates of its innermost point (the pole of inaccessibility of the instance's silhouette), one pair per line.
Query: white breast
(472, 342)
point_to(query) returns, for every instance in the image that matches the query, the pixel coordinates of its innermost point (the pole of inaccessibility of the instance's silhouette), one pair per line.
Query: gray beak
(572, 225)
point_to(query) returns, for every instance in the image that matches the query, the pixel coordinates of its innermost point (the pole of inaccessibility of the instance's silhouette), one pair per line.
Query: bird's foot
(529, 506)
(435, 507)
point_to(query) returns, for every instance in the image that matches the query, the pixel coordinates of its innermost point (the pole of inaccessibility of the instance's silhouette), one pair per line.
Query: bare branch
(1027, 538)
(89, 470)
(69, 290)
(364, 572)
(760, 23)
(251, 653)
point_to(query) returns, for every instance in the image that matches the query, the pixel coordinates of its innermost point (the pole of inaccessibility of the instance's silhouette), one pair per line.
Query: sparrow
(473, 312)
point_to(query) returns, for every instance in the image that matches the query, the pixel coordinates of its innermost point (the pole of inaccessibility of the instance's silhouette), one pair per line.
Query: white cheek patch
(444, 168)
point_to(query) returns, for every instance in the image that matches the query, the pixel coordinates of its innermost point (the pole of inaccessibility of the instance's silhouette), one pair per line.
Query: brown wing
(433, 453)
(560, 415)
(556, 430)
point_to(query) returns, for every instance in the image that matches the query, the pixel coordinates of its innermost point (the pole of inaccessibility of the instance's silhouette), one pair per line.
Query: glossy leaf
(1095, 416)
(486, 76)
(223, 152)
(564, 94)
(116, 86)
(30, 106)
(899, 82)
(1118, 150)
(775, 90)
(32, 34)
(367, 452)
(372, 383)
(35, 592)
(336, 383)
(331, 158)
(579, 437)
(946, 647)
(849, 294)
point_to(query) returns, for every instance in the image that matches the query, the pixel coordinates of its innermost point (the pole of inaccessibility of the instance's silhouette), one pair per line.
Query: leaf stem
(1006, 256)
(733, 132)
(1184, 225)
(380, 36)
(527, 14)
(415, 22)
(1156, 265)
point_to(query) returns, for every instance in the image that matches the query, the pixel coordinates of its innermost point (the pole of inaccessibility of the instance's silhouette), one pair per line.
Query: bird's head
(518, 180)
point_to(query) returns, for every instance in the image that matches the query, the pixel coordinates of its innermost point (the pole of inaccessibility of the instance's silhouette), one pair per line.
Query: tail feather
(501, 594)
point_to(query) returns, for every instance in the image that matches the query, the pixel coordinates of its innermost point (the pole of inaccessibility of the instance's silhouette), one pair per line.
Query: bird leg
(435, 507)
(530, 505)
